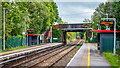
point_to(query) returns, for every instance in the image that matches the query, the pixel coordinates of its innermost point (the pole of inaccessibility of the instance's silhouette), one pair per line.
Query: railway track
(45, 57)
(10, 61)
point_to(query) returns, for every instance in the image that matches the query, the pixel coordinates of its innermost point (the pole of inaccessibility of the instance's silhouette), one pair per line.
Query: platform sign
(111, 23)
(30, 31)
(106, 23)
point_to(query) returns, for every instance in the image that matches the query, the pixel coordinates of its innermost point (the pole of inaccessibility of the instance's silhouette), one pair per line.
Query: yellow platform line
(88, 56)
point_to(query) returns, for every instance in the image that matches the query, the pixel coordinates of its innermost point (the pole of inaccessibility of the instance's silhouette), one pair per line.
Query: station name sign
(30, 31)
(106, 23)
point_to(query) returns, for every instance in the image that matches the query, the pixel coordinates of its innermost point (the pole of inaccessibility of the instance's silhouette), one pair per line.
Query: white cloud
(76, 12)
(89, 10)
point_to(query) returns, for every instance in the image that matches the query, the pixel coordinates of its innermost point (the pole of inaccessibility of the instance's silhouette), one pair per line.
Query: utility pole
(4, 28)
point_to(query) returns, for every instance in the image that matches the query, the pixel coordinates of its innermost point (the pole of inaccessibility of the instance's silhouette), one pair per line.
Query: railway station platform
(88, 55)
(9, 54)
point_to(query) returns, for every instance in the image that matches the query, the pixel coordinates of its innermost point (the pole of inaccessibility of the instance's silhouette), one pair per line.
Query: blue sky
(76, 12)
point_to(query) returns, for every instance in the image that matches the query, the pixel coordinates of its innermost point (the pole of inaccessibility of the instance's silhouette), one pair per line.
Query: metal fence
(0, 44)
(15, 42)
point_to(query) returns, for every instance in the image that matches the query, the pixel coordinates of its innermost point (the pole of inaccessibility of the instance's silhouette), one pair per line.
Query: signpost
(106, 23)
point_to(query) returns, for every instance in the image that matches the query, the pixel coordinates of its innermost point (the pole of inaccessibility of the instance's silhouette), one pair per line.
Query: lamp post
(4, 28)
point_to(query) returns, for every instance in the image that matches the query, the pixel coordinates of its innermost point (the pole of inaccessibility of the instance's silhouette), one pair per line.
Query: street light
(4, 28)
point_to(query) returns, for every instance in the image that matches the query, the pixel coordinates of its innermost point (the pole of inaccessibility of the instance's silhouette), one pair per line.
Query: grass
(78, 46)
(113, 60)
(118, 51)
(19, 47)
(86, 41)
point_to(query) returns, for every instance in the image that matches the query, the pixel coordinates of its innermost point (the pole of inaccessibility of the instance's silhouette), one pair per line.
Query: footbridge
(80, 27)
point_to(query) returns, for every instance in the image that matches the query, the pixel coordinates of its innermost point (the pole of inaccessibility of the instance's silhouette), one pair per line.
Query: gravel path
(65, 60)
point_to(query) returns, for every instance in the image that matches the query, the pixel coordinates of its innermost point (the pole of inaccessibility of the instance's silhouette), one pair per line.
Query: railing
(73, 25)
(15, 42)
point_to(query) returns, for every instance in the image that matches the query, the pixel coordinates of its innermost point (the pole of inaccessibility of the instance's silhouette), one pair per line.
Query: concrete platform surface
(88, 55)
(27, 50)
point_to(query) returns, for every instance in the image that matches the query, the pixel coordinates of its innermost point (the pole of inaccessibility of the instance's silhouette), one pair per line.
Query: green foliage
(86, 41)
(38, 16)
(113, 60)
(44, 14)
(56, 33)
(78, 46)
(84, 36)
(118, 51)
(14, 19)
(81, 34)
(110, 8)
(71, 36)
(94, 40)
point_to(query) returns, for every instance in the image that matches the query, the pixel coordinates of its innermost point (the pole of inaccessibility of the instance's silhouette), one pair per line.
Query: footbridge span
(80, 27)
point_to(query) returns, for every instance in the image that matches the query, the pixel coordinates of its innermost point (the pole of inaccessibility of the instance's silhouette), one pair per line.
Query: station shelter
(105, 40)
(33, 39)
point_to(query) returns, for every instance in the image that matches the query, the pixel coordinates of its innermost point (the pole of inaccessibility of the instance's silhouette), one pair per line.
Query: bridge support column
(65, 36)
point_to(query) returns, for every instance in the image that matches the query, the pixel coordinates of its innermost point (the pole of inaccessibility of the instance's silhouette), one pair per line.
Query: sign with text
(30, 31)
(106, 23)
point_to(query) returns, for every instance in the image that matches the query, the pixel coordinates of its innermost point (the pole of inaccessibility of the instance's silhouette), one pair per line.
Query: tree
(38, 15)
(87, 20)
(110, 8)
(56, 33)
(14, 19)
